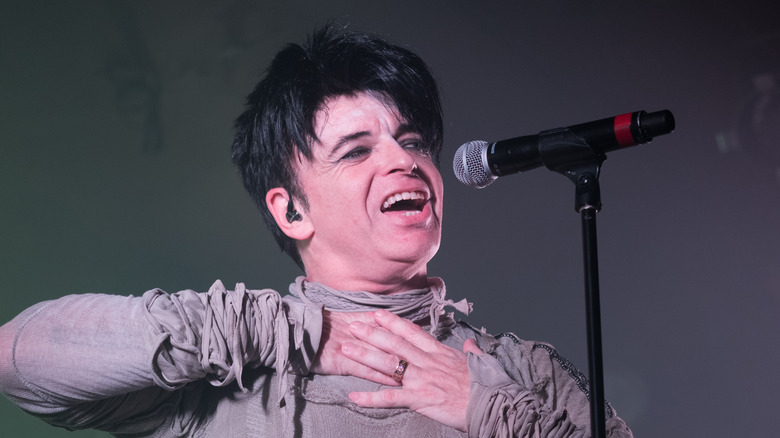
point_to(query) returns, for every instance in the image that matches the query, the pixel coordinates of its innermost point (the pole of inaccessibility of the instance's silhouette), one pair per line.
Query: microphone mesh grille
(469, 167)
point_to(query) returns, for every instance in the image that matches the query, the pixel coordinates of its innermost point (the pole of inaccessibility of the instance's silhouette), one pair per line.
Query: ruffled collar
(414, 305)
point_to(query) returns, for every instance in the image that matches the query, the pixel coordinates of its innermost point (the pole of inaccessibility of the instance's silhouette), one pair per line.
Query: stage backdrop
(115, 175)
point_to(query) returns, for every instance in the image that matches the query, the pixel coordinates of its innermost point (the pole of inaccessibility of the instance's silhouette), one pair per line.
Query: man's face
(375, 196)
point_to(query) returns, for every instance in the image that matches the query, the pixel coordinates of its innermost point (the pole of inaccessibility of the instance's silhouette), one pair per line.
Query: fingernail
(357, 326)
(355, 397)
(382, 313)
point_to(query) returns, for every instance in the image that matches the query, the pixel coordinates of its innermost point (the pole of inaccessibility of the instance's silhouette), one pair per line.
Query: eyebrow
(346, 139)
(403, 129)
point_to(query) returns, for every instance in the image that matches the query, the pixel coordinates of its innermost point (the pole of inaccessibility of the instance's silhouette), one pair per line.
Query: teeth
(392, 199)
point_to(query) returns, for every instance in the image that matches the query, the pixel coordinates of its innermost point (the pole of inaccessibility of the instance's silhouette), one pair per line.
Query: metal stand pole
(593, 308)
(568, 154)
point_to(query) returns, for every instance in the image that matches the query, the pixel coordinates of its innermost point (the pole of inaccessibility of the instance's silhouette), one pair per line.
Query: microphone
(478, 163)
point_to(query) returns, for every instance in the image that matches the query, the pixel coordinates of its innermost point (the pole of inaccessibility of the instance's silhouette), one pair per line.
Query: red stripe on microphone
(623, 130)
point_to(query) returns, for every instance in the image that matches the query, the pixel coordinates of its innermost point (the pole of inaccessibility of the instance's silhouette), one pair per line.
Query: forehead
(344, 115)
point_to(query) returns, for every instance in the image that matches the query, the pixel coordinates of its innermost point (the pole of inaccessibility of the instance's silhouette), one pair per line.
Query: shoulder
(535, 365)
(518, 357)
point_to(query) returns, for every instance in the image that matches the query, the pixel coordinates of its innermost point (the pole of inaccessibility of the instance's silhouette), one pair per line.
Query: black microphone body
(479, 163)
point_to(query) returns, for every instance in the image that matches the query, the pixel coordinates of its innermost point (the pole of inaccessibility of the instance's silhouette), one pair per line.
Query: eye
(355, 153)
(416, 144)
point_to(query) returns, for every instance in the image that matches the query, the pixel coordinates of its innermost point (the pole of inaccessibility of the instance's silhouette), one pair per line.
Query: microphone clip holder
(565, 152)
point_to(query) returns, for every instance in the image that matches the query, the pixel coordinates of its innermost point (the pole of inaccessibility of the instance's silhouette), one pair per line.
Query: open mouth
(409, 203)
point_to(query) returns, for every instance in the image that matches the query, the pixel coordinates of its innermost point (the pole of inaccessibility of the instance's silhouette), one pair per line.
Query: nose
(396, 158)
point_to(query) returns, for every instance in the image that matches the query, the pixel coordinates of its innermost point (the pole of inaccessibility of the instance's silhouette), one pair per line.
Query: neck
(367, 279)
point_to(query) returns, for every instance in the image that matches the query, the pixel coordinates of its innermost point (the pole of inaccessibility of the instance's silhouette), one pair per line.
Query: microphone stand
(569, 154)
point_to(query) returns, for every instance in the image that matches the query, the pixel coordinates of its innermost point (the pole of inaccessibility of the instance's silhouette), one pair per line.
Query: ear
(277, 199)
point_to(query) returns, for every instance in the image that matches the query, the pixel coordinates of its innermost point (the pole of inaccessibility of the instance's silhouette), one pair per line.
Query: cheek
(440, 189)
(437, 184)
(347, 205)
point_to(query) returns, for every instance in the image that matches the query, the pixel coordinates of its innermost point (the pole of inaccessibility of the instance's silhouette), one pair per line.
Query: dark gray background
(115, 175)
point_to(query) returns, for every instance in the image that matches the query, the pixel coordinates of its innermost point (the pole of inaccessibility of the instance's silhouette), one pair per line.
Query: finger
(471, 347)
(386, 398)
(379, 362)
(358, 369)
(345, 318)
(366, 317)
(336, 326)
(406, 329)
(392, 344)
(335, 333)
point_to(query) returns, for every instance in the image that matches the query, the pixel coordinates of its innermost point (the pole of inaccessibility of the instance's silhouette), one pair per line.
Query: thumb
(471, 347)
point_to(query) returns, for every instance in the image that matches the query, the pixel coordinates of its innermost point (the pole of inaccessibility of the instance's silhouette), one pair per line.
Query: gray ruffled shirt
(235, 363)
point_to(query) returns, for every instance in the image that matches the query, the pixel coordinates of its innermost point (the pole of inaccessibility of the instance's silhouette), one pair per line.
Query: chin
(417, 256)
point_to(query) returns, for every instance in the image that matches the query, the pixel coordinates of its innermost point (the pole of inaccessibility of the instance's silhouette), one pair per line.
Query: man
(338, 147)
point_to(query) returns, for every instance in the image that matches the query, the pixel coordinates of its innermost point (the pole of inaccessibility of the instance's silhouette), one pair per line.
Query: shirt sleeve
(526, 389)
(61, 357)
